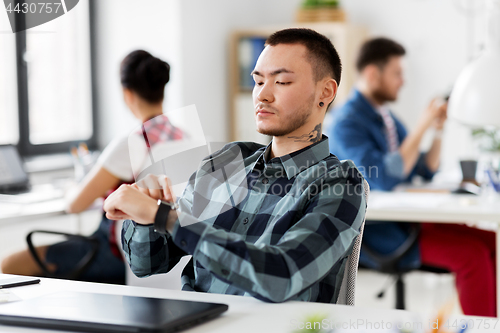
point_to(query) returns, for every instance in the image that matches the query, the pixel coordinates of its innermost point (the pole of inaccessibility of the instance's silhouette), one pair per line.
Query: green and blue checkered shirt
(282, 231)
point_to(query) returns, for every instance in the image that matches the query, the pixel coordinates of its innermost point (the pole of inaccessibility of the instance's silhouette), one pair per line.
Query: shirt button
(265, 181)
(225, 272)
(245, 221)
(183, 243)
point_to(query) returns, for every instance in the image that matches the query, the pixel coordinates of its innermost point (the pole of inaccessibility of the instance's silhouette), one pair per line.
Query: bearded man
(367, 132)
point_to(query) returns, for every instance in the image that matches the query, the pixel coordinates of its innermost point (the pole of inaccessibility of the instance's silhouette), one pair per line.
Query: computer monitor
(13, 177)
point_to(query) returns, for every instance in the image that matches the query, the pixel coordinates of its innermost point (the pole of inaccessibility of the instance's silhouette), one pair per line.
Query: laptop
(13, 177)
(92, 312)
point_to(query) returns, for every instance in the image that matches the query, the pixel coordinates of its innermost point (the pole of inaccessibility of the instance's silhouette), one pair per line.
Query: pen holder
(469, 168)
(493, 179)
(83, 163)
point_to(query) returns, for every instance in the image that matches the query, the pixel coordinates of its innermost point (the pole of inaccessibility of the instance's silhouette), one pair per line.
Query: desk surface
(45, 199)
(404, 206)
(435, 207)
(245, 314)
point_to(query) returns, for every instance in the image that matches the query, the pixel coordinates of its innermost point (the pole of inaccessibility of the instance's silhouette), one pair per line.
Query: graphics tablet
(89, 312)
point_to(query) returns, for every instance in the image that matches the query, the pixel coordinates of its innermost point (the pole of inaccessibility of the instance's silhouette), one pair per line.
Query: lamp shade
(475, 99)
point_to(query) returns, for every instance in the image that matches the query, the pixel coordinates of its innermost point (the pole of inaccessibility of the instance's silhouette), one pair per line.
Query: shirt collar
(297, 161)
(367, 108)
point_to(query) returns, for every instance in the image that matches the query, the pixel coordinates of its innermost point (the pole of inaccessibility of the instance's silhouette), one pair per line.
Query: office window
(50, 108)
(9, 133)
(58, 62)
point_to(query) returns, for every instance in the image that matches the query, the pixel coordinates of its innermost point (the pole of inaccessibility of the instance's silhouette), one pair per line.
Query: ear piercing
(321, 104)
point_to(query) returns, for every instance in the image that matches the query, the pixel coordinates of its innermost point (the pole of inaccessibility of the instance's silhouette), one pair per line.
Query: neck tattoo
(312, 137)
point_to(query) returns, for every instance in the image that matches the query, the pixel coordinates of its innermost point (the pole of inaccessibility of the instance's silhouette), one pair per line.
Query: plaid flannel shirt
(288, 237)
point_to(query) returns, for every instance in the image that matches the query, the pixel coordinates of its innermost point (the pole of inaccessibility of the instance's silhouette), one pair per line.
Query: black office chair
(389, 263)
(80, 267)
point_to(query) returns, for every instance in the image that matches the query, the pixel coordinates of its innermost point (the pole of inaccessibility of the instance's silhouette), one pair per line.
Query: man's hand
(435, 114)
(157, 187)
(441, 119)
(128, 202)
(138, 201)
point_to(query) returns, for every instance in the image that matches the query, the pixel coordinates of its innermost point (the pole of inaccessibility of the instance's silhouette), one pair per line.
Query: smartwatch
(161, 217)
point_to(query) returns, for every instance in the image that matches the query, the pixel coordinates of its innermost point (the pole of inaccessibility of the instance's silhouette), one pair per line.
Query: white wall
(206, 28)
(440, 37)
(121, 27)
(192, 35)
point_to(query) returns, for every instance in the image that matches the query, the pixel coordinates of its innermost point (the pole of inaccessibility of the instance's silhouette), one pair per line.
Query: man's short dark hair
(323, 57)
(378, 51)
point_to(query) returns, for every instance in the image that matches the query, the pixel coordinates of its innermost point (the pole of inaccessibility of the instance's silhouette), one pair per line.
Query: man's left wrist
(164, 221)
(172, 218)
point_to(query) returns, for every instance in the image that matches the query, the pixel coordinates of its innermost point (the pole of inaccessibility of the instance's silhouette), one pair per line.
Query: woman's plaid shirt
(278, 229)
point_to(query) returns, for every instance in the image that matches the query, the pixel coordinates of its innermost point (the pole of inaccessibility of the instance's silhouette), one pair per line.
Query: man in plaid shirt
(277, 222)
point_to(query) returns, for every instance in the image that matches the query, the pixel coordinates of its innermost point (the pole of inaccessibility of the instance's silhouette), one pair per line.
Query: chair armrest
(80, 267)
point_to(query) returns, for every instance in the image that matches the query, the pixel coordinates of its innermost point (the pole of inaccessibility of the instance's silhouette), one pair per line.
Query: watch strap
(160, 223)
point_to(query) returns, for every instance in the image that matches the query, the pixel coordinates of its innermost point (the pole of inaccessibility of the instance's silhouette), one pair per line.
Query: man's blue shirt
(357, 133)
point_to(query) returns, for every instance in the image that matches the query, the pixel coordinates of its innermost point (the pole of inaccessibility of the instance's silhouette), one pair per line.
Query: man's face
(390, 80)
(284, 91)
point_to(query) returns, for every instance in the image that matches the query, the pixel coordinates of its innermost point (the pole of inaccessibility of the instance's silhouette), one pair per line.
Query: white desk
(46, 198)
(45, 211)
(436, 207)
(17, 212)
(245, 314)
(44, 201)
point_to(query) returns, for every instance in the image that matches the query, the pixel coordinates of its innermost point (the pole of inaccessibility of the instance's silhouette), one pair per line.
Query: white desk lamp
(475, 99)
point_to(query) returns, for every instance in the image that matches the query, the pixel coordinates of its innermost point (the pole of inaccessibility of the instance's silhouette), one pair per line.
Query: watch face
(172, 205)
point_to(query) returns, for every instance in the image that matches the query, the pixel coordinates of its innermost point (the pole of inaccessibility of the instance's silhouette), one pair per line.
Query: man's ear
(330, 88)
(371, 73)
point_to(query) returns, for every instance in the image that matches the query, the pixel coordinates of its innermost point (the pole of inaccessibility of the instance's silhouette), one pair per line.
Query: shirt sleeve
(148, 252)
(382, 170)
(115, 159)
(422, 169)
(306, 252)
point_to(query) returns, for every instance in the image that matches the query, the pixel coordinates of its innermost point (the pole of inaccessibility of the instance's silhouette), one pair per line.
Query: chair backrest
(348, 286)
